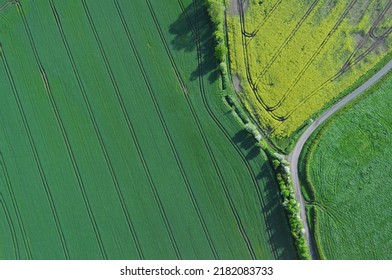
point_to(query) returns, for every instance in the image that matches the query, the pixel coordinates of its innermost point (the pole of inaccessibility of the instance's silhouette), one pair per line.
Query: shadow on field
(246, 141)
(193, 25)
(276, 221)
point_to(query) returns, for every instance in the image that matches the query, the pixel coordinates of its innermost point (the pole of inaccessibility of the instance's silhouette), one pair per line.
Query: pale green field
(348, 179)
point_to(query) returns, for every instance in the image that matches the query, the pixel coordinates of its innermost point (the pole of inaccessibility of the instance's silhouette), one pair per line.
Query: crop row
(54, 107)
(118, 143)
(35, 153)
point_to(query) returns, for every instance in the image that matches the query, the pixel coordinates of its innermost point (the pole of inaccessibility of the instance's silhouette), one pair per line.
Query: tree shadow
(276, 221)
(243, 139)
(253, 152)
(271, 206)
(246, 141)
(193, 26)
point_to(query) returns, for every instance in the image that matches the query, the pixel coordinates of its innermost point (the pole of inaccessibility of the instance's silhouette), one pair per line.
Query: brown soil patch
(237, 83)
(234, 9)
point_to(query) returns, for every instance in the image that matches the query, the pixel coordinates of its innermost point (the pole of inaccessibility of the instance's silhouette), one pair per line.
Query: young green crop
(346, 176)
(115, 142)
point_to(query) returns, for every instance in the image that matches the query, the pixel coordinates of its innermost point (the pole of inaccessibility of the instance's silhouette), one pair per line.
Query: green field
(348, 179)
(115, 142)
(294, 59)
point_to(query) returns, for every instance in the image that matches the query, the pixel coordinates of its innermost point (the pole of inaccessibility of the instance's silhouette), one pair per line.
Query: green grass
(296, 59)
(115, 141)
(347, 175)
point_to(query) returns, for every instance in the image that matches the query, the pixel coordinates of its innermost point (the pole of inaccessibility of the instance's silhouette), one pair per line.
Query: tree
(220, 52)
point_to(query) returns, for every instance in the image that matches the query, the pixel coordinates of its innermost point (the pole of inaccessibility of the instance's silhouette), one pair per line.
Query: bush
(223, 68)
(220, 52)
(219, 36)
(252, 129)
(241, 114)
(225, 78)
(290, 204)
(216, 11)
(263, 144)
(276, 164)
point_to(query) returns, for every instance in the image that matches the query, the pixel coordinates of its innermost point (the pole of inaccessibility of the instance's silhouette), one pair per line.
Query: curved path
(293, 157)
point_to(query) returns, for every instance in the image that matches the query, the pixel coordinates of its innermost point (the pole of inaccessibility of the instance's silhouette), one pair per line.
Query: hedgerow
(237, 108)
(216, 11)
(290, 204)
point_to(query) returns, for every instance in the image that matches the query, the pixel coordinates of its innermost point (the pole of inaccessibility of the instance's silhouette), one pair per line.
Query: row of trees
(234, 104)
(290, 204)
(216, 11)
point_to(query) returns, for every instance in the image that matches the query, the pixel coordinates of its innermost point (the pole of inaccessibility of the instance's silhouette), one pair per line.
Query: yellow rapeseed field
(296, 57)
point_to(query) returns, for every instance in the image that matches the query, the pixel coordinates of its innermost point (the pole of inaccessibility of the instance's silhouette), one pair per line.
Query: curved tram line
(247, 67)
(220, 126)
(5, 6)
(185, 92)
(294, 155)
(349, 63)
(216, 166)
(270, 109)
(175, 154)
(156, 104)
(340, 72)
(261, 24)
(189, 102)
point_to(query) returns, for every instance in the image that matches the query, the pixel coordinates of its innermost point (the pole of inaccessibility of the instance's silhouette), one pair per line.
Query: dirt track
(293, 157)
(234, 9)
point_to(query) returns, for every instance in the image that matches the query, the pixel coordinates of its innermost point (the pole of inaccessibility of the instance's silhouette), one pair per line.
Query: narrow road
(293, 157)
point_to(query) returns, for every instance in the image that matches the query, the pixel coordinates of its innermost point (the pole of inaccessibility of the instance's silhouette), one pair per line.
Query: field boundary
(197, 38)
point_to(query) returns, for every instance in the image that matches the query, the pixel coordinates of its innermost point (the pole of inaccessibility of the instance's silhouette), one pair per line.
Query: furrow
(216, 167)
(157, 109)
(195, 118)
(11, 226)
(125, 114)
(16, 207)
(35, 154)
